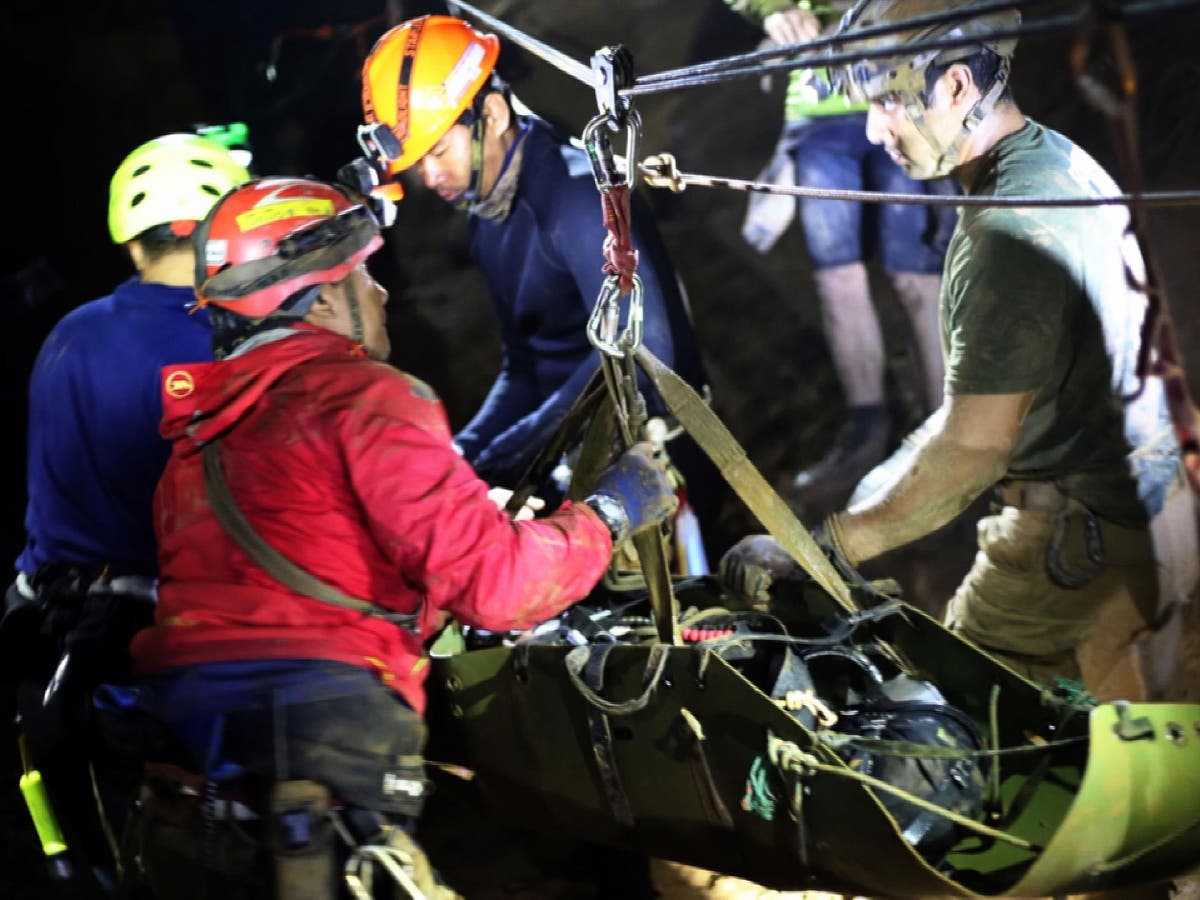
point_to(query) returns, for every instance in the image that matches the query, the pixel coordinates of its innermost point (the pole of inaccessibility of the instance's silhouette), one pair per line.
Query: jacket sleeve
(505, 458)
(504, 407)
(574, 228)
(430, 514)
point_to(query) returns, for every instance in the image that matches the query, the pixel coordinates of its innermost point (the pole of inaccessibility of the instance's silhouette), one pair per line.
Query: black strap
(584, 406)
(273, 562)
(601, 735)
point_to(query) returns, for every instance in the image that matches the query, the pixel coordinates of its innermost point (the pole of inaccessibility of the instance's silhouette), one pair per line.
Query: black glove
(634, 493)
(749, 568)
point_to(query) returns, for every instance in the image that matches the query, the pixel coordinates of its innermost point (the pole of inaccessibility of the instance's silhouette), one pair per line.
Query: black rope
(1059, 24)
(716, 71)
(836, 40)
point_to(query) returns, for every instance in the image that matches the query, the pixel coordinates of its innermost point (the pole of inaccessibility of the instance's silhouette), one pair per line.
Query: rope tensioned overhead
(660, 171)
(819, 51)
(561, 61)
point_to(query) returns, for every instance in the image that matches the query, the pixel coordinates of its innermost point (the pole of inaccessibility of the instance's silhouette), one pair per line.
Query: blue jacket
(543, 264)
(95, 455)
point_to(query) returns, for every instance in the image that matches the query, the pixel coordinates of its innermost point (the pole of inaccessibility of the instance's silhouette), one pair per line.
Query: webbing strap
(584, 406)
(587, 670)
(238, 527)
(741, 475)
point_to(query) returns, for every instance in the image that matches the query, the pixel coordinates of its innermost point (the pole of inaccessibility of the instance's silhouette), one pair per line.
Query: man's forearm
(941, 480)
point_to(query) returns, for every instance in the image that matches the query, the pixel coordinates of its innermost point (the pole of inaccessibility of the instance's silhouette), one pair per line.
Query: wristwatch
(612, 513)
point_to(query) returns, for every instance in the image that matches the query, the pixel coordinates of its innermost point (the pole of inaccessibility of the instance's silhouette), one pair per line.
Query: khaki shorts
(1011, 606)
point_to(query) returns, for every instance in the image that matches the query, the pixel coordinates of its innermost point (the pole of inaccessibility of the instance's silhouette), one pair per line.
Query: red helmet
(270, 238)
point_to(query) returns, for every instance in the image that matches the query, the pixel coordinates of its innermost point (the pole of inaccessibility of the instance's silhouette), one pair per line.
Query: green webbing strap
(584, 406)
(272, 561)
(728, 456)
(595, 449)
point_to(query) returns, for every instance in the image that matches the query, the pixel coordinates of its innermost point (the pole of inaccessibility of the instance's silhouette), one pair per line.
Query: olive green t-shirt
(1038, 299)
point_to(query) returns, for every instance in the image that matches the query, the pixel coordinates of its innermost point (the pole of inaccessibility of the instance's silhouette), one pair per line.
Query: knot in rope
(620, 257)
(661, 171)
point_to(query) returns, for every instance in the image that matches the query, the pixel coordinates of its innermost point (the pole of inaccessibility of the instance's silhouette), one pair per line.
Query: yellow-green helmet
(173, 178)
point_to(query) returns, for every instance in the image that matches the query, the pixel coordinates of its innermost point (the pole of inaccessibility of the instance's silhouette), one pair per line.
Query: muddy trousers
(1038, 584)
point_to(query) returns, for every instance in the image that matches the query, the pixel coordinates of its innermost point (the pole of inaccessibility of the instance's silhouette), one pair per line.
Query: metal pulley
(612, 72)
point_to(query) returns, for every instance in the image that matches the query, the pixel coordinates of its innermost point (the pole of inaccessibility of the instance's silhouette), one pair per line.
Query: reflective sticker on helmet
(216, 252)
(298, 208)
(179, 383)
(464, 73)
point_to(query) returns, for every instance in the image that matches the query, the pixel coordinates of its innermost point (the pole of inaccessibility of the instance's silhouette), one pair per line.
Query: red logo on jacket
(179, 384)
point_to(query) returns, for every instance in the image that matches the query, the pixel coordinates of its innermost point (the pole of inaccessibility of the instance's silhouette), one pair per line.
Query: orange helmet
(418, 79)
(270, 238)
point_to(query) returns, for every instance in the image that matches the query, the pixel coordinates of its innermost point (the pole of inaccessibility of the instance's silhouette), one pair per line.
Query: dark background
(87, 82)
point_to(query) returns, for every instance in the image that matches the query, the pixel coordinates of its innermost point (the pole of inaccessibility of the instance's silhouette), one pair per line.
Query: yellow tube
(38, 801)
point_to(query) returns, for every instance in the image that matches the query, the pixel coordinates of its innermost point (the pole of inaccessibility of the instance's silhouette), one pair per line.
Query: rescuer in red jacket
(343, 465)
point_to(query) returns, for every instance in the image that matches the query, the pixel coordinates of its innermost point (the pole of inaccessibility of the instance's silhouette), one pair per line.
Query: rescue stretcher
(674, 748)
(1080, 797)
(680, 749)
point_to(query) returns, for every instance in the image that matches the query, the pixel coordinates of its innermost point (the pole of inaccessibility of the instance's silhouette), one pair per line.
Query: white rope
(660, 171)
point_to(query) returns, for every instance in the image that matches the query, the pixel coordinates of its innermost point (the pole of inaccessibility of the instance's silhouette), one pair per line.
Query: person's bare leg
(918, 293)
(856, 344)
(852, 332)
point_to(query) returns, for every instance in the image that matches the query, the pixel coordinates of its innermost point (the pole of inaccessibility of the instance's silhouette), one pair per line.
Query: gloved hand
(749, 568)
(634, 493)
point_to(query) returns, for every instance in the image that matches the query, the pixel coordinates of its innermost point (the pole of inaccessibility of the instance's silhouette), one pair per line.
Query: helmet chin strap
(357, 332)
(948, 156)
(471, 194)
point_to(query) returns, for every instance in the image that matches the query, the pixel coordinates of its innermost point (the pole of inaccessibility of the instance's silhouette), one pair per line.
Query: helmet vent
(211, 190)
(204, 163)
(138, 198)
(141, 170)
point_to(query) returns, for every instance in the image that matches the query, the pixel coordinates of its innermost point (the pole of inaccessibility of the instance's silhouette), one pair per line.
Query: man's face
(371, 298)
(889, 125)
(446, 168)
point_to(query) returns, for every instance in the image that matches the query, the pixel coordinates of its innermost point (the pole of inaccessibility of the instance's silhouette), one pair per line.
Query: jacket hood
(203, 400)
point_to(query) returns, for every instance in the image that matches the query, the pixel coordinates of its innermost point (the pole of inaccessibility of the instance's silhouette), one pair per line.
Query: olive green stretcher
(1090, 797)
(669, 749)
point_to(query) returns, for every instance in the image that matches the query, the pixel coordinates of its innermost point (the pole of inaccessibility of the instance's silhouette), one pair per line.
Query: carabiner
(600, 152)
(606, 317)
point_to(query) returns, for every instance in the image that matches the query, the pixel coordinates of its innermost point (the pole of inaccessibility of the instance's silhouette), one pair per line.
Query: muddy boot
(861, 443)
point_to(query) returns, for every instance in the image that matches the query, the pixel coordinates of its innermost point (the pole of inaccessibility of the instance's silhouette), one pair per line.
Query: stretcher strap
(728, 456)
